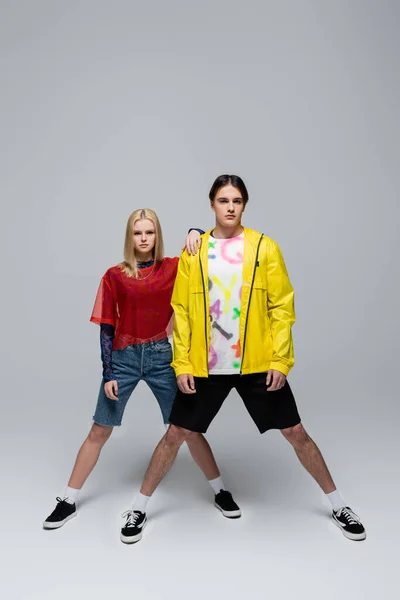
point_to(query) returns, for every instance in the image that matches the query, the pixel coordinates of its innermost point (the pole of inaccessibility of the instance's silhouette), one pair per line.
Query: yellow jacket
(266, 316)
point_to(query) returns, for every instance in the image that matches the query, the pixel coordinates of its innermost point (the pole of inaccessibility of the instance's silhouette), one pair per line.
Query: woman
(133, 309)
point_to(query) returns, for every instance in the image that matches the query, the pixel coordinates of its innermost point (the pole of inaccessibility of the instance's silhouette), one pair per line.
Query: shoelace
(131, 518)
(60, 504)
(349, 515)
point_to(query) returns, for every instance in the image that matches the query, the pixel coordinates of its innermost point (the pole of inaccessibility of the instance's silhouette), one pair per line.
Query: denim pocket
(163, 346)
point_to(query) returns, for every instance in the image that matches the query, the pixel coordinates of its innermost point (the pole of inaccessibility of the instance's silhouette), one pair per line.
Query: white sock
(140, 502)
(217, 484)
(71, 495)
(336, 500)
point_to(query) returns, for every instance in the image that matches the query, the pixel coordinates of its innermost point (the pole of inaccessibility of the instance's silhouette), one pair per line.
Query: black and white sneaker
(63, 512)
(132, 531)
(349, 523)
(226, 504)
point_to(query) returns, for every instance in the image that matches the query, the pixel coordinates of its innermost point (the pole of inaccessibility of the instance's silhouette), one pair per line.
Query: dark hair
(234, 180)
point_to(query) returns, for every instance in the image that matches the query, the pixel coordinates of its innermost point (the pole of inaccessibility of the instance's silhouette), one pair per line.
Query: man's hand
(275, 380)
(111, 389)
(186, 383)
(192, 242)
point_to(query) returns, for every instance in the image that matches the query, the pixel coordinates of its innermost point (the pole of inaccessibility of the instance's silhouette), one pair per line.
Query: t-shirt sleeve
(104, 305)
(175, 262)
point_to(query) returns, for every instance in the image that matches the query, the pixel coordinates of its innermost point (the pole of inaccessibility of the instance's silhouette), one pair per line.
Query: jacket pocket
(260, 283)
(196, 289)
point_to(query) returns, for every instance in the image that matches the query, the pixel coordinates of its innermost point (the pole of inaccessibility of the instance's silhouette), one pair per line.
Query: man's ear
(212, 204)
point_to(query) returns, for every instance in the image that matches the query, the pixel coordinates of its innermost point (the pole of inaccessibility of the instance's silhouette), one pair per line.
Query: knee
(175, 436)
(297, 435)
(99, 434)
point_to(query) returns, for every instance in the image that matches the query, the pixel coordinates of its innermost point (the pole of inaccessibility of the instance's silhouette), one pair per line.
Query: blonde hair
(129, 265)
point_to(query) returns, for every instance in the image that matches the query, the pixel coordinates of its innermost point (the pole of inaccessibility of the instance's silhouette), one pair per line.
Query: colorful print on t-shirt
(225, 263)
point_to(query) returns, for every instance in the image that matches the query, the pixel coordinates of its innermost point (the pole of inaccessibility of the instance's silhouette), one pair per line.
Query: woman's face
(228, 206)
(144, 239)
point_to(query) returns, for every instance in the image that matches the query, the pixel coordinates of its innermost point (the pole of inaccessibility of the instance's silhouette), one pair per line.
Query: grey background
(111, 106)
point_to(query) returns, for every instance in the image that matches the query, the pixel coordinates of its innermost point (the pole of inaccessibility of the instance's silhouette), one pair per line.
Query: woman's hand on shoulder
(192, 242)
(111, 389)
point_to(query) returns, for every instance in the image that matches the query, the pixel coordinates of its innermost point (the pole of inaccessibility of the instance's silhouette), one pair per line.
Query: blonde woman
(133, 310)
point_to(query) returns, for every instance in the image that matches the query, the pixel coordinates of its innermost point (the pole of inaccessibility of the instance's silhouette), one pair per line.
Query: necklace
(148, 275)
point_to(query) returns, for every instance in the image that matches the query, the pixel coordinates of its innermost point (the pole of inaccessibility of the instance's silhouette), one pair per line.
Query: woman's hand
(192, 242)
(111, 389)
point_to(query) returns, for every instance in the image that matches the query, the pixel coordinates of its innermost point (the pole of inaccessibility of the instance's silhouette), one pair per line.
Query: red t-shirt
(139, 309)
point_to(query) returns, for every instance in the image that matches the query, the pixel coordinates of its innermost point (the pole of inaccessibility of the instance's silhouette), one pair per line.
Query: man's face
(228, 206)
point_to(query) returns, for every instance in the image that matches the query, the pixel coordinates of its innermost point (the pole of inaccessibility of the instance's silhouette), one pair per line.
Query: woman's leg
(88, 455)
(85, 461)
(126, 370)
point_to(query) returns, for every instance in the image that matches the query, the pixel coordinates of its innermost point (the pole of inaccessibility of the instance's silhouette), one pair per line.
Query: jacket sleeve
(281, 313)
(182, 331)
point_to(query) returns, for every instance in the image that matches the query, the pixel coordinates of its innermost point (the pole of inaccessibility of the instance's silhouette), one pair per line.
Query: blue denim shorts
(149, 361)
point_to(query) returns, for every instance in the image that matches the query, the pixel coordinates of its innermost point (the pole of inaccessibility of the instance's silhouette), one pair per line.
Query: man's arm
(280, 304)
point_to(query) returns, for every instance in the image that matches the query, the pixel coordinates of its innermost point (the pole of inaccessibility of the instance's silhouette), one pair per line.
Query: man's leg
(195, 414)
(163, 458)
(161, 380)
(203, 455)
(278, 410)
(160, 463)
(312, 460)
(310, 456)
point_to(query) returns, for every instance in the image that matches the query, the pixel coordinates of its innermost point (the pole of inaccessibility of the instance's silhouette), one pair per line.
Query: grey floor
(284, 545)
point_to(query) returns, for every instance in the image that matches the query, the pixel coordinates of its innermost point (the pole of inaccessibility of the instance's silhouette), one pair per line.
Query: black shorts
(269, 410)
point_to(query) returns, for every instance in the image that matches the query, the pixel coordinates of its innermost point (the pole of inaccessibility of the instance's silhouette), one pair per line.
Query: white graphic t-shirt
(225, 262)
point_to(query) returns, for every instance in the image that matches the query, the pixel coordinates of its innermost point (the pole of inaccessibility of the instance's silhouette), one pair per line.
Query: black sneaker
(349, 523)
(226, 504)
(132, 531)
(63, 512)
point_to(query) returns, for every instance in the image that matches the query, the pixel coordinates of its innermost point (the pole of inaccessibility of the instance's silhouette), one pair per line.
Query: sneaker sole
(132, 539)
(58, 524)
(231, 514)
(356, 537)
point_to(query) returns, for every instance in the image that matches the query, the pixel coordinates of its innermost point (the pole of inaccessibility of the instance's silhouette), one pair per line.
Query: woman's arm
(107, 333)
(193, 240)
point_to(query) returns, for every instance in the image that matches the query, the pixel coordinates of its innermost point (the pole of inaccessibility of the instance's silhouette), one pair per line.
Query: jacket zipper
(205, 311)
(248, 305)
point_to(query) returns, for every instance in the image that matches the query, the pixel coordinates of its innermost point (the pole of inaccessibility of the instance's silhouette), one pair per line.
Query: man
(234, 309)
